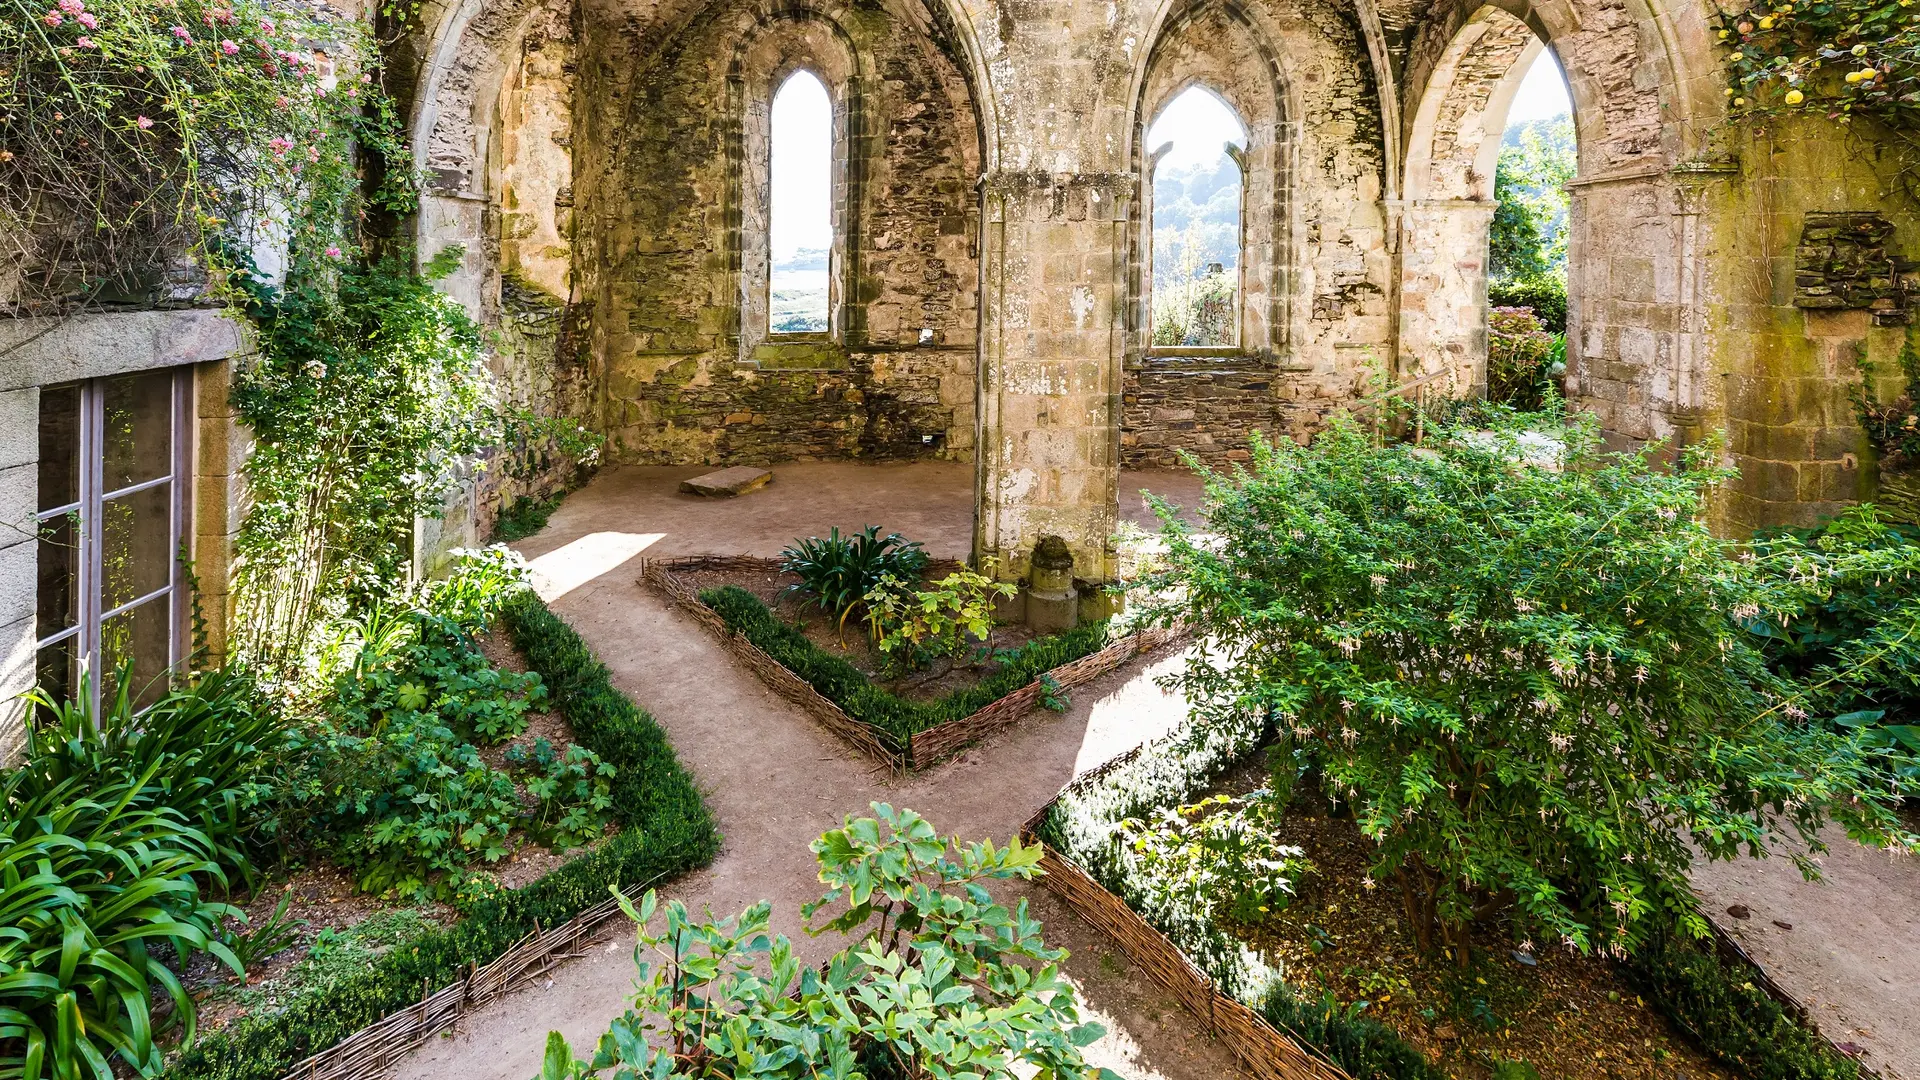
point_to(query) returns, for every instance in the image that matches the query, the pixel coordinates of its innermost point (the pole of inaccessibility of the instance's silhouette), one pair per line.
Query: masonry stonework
(993, 223)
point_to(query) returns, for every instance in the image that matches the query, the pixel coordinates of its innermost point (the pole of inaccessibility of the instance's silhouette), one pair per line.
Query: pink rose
(53, 18)
(144, 123)
(85, 42)
(72, 7)
(87, 20)
(266, 26)
(181, 33)
(333, 253)
(280, 145)
(229, 47)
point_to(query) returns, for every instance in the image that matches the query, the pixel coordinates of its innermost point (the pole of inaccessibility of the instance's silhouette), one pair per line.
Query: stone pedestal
(1053, 603)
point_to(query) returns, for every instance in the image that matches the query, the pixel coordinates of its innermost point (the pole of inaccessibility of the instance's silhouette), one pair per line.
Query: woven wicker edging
(925, 747)
(1266, 1051)
(372, 1050)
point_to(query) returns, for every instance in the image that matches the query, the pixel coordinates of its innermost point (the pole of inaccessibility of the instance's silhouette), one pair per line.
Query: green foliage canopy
(940, 981)
(1527, 682)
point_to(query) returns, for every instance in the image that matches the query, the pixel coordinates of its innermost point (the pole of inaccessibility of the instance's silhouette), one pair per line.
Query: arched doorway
(1490, 150)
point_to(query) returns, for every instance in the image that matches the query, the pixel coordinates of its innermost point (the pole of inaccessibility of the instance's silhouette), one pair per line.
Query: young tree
(939, 983)
(1525, 681)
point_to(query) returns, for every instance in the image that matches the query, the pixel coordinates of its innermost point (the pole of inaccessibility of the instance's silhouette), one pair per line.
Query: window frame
(836, 178)
(1239, 156)
(88, 511)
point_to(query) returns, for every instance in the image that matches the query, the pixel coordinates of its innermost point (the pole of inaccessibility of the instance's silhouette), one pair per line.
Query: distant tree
(1529, 234)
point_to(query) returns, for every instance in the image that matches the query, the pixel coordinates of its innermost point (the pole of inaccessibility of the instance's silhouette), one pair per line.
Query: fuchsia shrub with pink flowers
(146, 146)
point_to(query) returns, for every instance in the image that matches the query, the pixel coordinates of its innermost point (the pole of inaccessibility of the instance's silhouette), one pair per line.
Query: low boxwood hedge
(666, 829)
(895, 718)
(1730, 1017)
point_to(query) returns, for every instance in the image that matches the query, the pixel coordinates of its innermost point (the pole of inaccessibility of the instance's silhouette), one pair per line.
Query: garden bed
(421, 969)
(904, 732)
(1679, 1009)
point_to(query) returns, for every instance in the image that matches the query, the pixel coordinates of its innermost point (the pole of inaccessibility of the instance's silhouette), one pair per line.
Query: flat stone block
(738, 480)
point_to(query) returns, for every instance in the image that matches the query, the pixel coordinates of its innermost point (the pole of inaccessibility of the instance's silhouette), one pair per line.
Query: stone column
(19, 497)
(1443, 291)
(1053, 292)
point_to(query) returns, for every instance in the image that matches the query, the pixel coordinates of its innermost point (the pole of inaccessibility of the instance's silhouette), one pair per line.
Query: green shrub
(574, 791)
(1526, 682)
(895, 718)
(523, 517)
(1730, 1017)
(667, 830)
(937, 979)
(1545, 296)
(915, 626)
(1845, 620)
(1519, 358)
(838, 572)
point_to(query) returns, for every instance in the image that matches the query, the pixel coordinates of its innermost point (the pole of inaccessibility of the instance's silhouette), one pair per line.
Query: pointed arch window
(1198, 174)
(800, 226)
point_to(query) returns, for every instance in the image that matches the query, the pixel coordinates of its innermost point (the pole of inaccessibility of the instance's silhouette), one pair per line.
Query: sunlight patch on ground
(566, 568)
(1139, 711)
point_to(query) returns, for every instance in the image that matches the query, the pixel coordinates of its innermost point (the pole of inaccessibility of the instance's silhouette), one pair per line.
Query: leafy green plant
(1892, 427)
(523, 517)
(838, 572)
(919, 625)
(1730, 1017)
(201, 751)
(1520, 354)
(1836, 58)
(1218, 855)
(1844, 619)
(1526, 682)
(1053, 696)
(91, 881)
(368, 388)
(574, 790)
(274, 936)
(938, 980)
(895, 717)
(669, 830)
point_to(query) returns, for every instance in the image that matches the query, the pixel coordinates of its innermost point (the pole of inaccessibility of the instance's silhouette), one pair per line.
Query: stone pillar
(219, 498)
(1443, 292)
(1053, 270)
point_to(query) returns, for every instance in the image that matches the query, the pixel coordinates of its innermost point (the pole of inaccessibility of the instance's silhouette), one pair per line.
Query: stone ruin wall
(668, 199)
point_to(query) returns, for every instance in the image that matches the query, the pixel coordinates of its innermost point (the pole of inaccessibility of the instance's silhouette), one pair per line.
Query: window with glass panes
(114, 466)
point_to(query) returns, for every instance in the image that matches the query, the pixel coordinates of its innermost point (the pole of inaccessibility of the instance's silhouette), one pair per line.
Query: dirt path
(1848, 946)
(775, 780)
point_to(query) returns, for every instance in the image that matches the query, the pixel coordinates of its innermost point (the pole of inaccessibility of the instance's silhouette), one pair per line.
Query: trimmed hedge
(894, 717)
(1731, 1018)
(666, 829)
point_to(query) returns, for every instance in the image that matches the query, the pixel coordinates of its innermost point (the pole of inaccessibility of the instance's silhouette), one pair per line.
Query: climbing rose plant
(369, 389)
(939, 981)
(134, 133)
(1526, 682)
(1835, 58)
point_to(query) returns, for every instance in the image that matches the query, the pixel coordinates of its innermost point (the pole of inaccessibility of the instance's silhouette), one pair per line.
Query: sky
(1199, 125)
(1543, 93)
(802, 136)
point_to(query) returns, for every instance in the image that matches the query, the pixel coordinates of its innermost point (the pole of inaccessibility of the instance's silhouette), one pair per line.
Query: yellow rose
(1795, 97)
(1853, 77)
(1739, 102)
(1766, 22)
(1859, 50)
